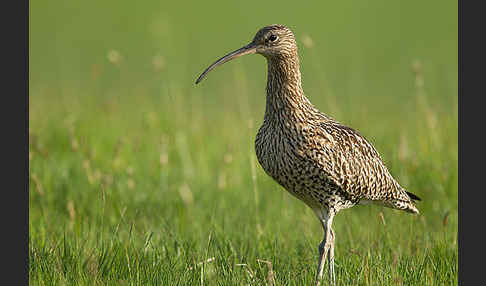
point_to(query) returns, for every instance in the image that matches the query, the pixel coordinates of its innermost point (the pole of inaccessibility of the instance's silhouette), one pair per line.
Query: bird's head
(273, 42)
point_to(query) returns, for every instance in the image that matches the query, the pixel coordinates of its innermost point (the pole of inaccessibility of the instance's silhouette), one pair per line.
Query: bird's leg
(325, 245)
(332, 277)
(322, 259)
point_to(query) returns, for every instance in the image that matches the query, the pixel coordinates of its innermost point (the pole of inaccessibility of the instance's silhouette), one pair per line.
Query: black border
(471, 66)
(14, 22)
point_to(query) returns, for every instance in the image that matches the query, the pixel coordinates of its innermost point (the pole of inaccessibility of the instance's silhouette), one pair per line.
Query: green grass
(139, 177)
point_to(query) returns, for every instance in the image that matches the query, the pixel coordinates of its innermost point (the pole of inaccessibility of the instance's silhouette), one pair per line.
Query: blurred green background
(371, 43)
(137, 174)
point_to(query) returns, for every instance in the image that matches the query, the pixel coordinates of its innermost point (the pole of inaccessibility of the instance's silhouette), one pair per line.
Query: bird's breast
(285, 156)
(280, 152)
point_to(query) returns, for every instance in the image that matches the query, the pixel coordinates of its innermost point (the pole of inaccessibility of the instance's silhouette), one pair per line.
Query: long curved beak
(248, 49)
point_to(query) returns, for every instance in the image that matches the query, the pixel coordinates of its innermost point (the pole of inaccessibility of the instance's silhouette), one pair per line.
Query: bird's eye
(272, 38)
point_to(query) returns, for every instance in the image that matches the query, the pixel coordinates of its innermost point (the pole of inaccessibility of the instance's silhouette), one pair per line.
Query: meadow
(139, 177)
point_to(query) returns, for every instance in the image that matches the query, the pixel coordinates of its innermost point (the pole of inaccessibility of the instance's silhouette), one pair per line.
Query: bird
(325, 164)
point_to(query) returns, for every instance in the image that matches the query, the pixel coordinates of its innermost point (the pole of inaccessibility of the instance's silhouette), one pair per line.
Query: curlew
(325, 164)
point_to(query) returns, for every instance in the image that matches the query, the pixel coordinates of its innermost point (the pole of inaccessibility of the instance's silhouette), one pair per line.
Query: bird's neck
(285, 97)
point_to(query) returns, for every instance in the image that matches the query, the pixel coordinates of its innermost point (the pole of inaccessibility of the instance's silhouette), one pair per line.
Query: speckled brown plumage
(325, 164)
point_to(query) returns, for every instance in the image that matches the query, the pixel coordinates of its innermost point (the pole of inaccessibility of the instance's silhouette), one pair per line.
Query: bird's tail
(411, 208)
(403, 205)
(413, 196)
(407, 204)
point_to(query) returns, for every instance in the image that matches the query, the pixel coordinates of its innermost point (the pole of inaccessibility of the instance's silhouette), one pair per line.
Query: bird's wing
(350, 161)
